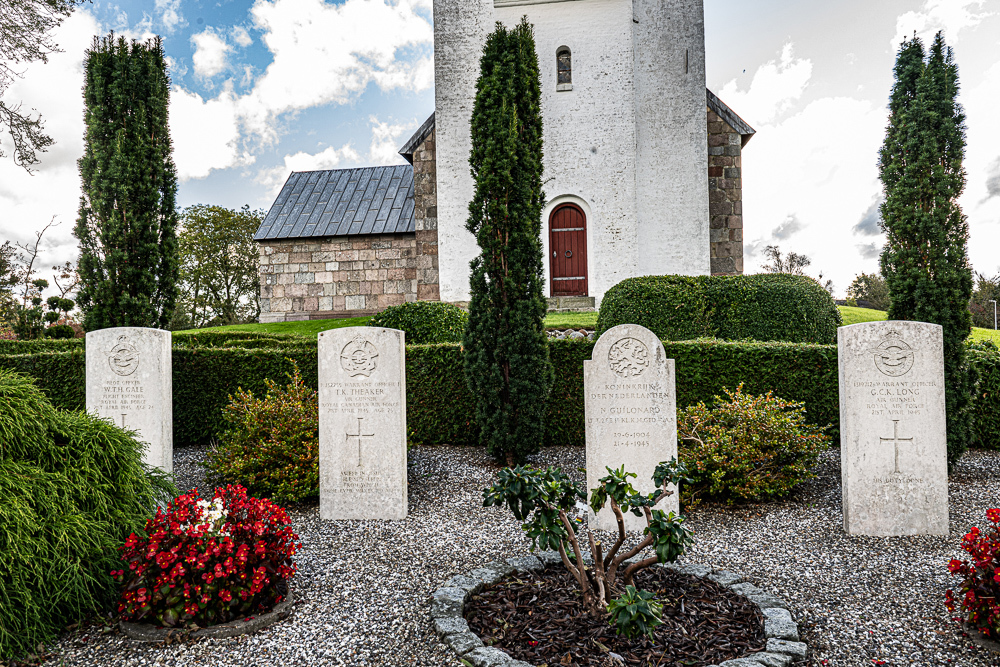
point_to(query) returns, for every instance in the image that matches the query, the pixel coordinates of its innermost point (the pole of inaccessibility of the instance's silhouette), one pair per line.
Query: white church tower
(626, 141)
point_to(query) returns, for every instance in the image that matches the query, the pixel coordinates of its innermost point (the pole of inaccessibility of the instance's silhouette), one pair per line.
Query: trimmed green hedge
(425, 322)
(764, 307)
(440, 409)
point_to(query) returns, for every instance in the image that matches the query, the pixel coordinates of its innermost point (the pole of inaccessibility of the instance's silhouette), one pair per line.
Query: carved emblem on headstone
(893, 357)
(359, 357)
(123, 357)
(628, 358)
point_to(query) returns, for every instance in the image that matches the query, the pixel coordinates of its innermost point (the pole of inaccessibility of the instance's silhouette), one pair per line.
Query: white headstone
(362, 424)
(631, 414)
(129, 381)
(893, 443)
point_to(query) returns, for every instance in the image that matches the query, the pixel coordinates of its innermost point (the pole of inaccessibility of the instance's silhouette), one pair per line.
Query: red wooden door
(568, 251)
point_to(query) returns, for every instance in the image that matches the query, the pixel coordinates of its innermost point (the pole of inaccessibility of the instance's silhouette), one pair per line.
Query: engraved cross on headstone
(895, 440)
(359, 435)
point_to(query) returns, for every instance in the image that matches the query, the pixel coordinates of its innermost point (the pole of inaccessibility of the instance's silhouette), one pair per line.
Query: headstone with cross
(893, 441)
(129, 381)
(362, 424)
(631, 414)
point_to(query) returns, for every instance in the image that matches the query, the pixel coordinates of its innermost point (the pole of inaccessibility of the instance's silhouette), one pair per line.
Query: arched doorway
(568, 251)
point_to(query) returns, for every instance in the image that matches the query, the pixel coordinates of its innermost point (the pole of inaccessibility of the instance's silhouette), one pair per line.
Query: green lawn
(857, 315)
(554, 320)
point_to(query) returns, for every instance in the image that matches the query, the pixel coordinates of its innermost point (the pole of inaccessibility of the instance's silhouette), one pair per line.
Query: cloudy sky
(266, 87)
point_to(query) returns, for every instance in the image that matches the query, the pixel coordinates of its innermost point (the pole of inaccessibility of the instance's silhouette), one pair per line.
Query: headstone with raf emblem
(892, 429)
(631, 414)
(129, 381)
(362, 424)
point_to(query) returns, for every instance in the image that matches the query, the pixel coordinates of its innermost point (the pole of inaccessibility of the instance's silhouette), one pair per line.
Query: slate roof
(341, 202)
(422, 133)
(728, 115)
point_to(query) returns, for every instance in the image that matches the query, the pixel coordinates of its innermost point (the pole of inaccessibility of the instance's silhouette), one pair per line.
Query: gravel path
(365, 586)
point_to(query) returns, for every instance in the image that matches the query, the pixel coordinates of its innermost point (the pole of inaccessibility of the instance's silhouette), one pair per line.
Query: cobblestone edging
(448, 606)
(146, 632)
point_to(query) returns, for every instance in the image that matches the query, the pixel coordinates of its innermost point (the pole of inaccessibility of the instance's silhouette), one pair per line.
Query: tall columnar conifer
(127, 222)
(506, 351)
(925, 260)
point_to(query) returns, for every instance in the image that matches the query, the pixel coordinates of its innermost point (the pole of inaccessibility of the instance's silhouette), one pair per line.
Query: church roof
(728, 115)
(341, 202)
(422, 133)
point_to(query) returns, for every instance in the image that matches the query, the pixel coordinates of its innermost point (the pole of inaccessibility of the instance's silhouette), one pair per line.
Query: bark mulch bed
(538, 618)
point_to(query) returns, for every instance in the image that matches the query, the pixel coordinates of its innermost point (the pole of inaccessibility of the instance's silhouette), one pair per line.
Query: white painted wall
(628, 142)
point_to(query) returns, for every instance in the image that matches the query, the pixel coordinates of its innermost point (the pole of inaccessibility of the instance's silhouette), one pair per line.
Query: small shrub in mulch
(538, 618)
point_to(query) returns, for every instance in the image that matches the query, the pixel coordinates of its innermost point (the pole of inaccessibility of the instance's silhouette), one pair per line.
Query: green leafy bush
(271, 444)
(984, 357)
(764, 307)
(636, 613)
(747, 448)
(60, 331)
(547, 499)
(73, 487)
(424, 321)
(672, 307)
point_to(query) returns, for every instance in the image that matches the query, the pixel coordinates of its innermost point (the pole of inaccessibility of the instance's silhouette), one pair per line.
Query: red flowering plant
(208, 562)
(979, 595)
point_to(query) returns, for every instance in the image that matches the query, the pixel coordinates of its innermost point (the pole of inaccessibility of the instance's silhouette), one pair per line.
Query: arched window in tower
(564, 69)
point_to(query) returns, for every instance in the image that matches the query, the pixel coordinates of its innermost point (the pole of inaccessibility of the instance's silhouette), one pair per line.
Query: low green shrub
(237, 551)
(424, 321)
(60, 332)
(747, 448)
(984, 357)
(636, 613)
(763, 307)
(73, 487)
(271, 444)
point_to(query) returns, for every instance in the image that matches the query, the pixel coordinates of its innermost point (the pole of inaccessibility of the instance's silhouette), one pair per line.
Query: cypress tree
(506, 351)
(925, 261)
(127, 222)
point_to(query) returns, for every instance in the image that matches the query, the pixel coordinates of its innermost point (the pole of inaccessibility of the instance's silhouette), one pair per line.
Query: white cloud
(982, 164)
(325, 53)
(205, 133)
(775, 88)
(952, 16)
(241, 36)
(329, 158)
(211, 54)
(387, 140)
(28, 203)
(170, 14)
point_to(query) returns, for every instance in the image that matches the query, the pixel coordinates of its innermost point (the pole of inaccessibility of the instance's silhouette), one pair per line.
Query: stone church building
(642, 170)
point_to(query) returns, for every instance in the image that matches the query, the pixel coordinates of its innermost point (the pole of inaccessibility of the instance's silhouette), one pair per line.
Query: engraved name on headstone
(362, 424)
(129, 381)
(631, 414)
(892, 429)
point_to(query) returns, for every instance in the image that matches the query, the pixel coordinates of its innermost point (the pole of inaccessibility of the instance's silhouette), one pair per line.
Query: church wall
(460, 29)
(589, 131)
(671, 137)
(426, 223)
(725, 196)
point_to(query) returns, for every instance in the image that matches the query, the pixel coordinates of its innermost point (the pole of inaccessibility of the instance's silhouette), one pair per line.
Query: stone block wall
(342, 276)
(425, 212)
(725, 197)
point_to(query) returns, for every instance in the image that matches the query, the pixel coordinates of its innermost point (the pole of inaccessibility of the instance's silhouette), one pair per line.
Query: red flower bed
(207, 562)
(979, 595)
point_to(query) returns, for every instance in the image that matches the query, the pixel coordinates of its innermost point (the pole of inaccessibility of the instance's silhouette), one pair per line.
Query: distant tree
(987, 290)
(507, 363)
(792, 263)
(869, 288)
(925, 261)
(219, 266)
(126, 225)
(25, 27)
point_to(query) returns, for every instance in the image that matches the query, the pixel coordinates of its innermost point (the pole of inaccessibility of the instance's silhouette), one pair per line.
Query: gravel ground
(364, 586)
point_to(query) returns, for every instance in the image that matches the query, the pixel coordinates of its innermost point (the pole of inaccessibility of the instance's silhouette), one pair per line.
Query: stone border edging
(448, 607)
(144, 632)
(979, 640)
